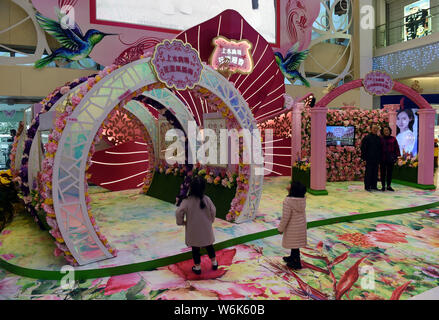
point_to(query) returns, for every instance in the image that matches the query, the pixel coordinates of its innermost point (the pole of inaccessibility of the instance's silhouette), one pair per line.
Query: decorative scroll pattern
(327, 28)
(122, 127)
(142, 113)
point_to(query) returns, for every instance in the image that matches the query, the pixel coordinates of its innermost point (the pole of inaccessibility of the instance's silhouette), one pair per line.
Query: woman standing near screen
(389, 155)
(405, 121)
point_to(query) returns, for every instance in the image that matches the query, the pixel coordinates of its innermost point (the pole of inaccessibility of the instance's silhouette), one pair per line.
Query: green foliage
(167, 187)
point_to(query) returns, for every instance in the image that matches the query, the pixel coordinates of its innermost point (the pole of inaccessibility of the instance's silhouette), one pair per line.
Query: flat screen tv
(340, 136)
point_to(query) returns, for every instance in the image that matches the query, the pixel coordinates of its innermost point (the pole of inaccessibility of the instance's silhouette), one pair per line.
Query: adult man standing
(371, 153)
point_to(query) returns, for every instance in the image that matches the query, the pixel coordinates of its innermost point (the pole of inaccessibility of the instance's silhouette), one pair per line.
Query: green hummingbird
(291, 63)
(75, 45)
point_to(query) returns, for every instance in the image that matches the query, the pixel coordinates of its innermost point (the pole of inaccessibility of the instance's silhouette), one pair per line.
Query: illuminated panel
(234, 55)
(176, 15)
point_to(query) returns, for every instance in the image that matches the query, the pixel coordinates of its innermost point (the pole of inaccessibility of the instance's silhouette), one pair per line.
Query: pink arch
(401, 88)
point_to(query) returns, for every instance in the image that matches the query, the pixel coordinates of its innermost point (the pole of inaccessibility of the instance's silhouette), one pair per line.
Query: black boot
(295, 263)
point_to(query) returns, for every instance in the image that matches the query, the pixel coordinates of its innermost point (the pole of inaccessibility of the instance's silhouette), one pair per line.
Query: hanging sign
(177, 64)
(378, 83)
(232, 54)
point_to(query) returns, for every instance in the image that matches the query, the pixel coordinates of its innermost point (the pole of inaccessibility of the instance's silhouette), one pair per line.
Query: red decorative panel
(122, 127)
(122, 167)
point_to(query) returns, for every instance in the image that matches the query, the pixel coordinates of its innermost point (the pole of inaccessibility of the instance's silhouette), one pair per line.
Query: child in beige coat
(293, 224)
(197, 213)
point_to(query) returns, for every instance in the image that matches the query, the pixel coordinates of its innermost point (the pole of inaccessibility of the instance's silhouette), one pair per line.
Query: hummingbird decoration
(291, 63)
(75, 45)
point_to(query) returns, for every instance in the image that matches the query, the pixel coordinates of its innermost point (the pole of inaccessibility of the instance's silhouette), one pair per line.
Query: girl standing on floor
(293, 224)
(200, 213)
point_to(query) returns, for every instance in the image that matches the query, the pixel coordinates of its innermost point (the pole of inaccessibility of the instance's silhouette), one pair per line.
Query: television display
(340, 136)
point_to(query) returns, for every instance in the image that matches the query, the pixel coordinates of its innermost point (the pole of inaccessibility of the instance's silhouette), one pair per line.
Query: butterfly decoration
(9, 114)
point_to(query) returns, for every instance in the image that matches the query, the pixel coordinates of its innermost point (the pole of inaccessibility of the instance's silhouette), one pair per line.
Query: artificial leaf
(348, 279)
(133, 291)
(399, 291)
(340, 258)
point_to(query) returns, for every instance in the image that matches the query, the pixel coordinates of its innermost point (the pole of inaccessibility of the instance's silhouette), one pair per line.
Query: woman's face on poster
(403, 121)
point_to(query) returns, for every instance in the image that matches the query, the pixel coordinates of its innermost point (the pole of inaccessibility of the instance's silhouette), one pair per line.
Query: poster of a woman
(407, 131)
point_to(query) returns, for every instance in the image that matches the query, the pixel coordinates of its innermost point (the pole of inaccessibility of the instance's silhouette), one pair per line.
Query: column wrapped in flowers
(47, 103)
(46, 177)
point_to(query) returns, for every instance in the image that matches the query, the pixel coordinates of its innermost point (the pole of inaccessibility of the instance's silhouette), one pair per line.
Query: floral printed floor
(143, 228)
(393, 257)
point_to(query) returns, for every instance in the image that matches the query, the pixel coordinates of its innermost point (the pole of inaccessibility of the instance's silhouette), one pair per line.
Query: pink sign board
(378, 83)
(236, 54)
(177, 64)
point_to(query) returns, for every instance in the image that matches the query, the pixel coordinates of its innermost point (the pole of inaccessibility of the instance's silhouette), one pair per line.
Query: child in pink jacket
(293, 224)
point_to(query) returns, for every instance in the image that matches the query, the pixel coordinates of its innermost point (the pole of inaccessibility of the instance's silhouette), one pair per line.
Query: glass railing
(407, 28)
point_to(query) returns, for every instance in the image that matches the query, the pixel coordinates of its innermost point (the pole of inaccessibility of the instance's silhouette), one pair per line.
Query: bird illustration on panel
(75, 45)
(291, 63)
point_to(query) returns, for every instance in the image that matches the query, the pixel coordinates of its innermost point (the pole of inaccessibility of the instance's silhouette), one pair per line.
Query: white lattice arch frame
(71, 157)
(142, 113)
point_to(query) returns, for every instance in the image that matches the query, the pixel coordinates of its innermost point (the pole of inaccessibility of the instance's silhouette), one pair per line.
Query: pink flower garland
(46, 177)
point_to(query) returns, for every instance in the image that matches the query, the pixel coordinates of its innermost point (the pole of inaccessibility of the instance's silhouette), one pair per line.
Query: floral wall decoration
(344, 163)
(281, 126)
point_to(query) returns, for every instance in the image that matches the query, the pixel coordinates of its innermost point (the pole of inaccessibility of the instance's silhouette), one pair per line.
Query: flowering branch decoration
(302, 164)
(407, 161)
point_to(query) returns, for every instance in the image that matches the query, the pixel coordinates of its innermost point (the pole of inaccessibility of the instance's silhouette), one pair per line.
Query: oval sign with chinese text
(177, 64)
(378, 83)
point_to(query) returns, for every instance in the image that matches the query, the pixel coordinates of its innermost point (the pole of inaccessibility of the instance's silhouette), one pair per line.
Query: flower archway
(318, 133)
(82, 242)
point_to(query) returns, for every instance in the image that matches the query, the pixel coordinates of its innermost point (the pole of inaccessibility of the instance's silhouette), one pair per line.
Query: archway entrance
(82, 239)
(318, 134)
